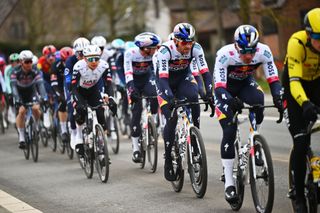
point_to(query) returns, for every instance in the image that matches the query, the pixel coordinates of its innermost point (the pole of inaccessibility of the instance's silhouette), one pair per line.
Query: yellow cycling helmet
(312, 23)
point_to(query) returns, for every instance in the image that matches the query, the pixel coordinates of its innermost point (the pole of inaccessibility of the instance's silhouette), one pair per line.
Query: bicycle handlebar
(181, 103)
(310, 128)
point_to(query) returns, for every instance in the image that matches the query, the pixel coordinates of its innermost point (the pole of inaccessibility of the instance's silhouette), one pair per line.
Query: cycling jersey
(7, 74)
(302, 63)
(45, 67)
(57, 75)
(24, 84)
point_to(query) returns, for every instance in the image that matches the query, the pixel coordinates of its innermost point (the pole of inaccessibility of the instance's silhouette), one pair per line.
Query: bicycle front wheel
(197, 163)
(115, 140)
(262, 185)
(34, 143)
(152, 144)
(177, 185)
(101, 154)
(26, 151)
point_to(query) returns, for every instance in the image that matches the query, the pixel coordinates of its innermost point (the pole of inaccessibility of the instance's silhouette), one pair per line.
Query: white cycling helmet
(80, 43)
(35, 60)
(25, 55)
(170, 36)
(99, 40)
(91, 50)
(147, 39)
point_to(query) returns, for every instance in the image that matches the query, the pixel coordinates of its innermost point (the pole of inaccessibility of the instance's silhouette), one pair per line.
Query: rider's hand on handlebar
(112, 106)
(236, 104)
(309, 111)
(278, 103)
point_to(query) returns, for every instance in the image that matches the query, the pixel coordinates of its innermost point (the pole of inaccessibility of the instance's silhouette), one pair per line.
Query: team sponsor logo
(66, 71)
(267, 54)
(164, 50)
(271, 70)
(201, 60)
(197, 46)
(223, 59)
(222, 74)
(164, 65)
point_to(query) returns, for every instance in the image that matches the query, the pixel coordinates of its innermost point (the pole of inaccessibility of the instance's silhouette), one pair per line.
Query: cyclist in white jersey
(234, 84)
(140, 79)
(176, 81)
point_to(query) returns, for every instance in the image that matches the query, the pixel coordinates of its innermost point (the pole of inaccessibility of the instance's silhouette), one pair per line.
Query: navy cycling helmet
(147, 39)
(184, 32)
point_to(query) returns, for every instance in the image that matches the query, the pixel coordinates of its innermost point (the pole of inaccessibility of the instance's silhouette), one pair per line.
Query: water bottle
(244, 156)
(315, 166)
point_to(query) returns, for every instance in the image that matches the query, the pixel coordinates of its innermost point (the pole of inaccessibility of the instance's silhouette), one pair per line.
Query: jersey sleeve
(128, 69)
(220, 70)
(295, 56)
(163, 62)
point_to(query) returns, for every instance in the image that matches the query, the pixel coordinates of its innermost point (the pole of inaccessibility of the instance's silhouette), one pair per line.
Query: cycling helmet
(129, 44)
(2, 61)
(34, 60)
(80, 43)
(171, 36)
(246, 37)
(118, 43)
(147, 39)
(14, 57)
(184, 32)
(99, 40)
(66, 52)
(25, 55)
(91, 50)
(48, 49)
(312, 23)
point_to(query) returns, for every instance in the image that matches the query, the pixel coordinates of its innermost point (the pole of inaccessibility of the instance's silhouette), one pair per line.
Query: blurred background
(31, 24)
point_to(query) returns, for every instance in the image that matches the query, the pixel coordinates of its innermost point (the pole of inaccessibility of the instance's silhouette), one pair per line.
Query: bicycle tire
(43, 136)
(142, 149)
(115, 143)
(152, 145)
(198, 167)
(88, 160)
(1, 123)
(238, 180)
(53, 144)
(26, 151)
(266, 175)
(177, 185)
(101, 148)
(69, 149)
(34, 142)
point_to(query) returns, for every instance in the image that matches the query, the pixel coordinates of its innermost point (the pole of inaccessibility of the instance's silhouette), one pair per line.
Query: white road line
(15, 205)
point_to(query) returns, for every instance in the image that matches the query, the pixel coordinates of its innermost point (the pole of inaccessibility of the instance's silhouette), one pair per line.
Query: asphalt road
(57, 184)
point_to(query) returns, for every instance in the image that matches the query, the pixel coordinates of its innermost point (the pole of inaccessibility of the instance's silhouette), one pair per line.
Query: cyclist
(140, 79)
(101, 42)
(78, 46)
(234, 84)
(301, 82)
(176, 80)
(14, 61)
(26, 81)
(57, 84)
(86, 74)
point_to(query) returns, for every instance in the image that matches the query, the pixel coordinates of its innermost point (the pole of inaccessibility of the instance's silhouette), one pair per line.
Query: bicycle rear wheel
(69, 149)
(26, 151)
(115, 142)
(2, 128)
(152, 145)
(197, 163)
(101, 154)
(238, 180)
(177, 185)
(262, 186)
(44, 135)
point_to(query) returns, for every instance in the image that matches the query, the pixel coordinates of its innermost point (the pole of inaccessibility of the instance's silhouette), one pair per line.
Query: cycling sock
(154, 116)
(21, 134)
(228, 170)
(79, 131)
(135, 144)
(63, 127)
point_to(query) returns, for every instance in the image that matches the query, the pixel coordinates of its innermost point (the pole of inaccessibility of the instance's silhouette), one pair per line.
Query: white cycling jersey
(88, 78)
(228, 65)
(135, 63)
(170, 60)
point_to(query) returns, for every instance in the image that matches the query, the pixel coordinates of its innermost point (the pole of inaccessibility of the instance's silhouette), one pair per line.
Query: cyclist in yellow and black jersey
(301, 82)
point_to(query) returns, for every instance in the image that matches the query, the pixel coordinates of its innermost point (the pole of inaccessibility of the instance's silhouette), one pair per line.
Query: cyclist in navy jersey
(176, 81)
(234, 84)
(57, 84)
(78, 46)
(140, 80)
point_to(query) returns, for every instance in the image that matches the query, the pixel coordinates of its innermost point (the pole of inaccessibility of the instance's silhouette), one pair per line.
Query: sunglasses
(12, 61)
(93, 59)
(248, 51)
(27, 62)
(185, 43)
(50, 56)
(315, 36)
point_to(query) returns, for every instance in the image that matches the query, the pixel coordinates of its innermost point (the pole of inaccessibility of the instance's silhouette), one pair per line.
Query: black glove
(210, 100)
(112, 106)
(134, 95)
(236, 104)
(17, 103)
(277, 100)
(309, 111)
(171, 103)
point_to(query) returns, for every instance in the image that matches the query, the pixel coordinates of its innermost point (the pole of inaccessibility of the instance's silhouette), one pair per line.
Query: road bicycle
(95, 146)
(148, 140)
(31, 134)
(188, 151)
(113, 131)
(312, 178)
(253, 164)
